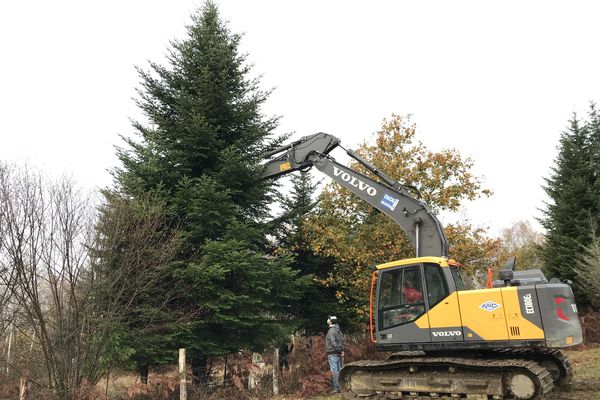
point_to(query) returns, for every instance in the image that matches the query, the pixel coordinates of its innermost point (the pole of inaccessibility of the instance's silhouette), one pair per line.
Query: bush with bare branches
(46, 229)
(62, 304)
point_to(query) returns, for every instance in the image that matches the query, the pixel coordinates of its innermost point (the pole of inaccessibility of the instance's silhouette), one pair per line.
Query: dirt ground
(586, 380)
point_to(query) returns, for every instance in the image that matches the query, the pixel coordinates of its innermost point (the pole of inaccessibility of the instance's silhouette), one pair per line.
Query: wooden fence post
(225, 371)
(256, 371)
(276, 371)
(182, 376)
(23, 389)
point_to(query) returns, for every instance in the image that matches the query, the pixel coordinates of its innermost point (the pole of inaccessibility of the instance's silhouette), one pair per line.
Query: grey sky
(496, 80)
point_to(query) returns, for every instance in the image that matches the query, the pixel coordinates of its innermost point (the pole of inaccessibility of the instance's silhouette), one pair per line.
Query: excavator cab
(407, 292)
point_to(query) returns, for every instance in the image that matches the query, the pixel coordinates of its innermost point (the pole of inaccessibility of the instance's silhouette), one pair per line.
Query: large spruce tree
(199, 155)
(574, 205)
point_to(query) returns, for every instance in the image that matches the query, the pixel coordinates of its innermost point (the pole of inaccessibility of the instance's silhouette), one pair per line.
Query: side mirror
(506, 274)
(511, 263)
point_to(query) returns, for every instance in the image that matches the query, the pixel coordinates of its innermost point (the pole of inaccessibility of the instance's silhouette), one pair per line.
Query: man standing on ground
(334, 346)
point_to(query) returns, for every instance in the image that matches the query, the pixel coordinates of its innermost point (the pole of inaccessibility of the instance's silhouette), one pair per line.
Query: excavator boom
(388, 196)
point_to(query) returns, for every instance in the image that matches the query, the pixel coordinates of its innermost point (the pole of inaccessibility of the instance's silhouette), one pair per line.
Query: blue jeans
(335, 364)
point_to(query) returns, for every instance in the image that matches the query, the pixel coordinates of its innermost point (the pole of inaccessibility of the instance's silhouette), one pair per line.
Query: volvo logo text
(447, 333)
(354, 181)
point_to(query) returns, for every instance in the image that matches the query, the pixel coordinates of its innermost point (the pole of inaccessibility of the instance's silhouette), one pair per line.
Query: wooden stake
(182, 376)
(23, 389)
(225, 371)
(276, 371)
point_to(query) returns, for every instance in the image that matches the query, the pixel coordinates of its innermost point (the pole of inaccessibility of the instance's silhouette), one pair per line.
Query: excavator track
(552, 359)
(444, 377)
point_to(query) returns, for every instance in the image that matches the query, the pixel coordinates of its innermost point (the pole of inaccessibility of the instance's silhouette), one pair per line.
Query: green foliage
(588, 270)
(574, 198)
(319, 297)
(247, 298)
(132, 252)
(200, 151)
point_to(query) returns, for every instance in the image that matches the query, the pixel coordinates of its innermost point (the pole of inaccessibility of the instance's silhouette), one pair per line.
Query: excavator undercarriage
(527, 374)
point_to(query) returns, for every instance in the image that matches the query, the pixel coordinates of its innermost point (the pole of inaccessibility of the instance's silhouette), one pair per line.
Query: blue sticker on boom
(389, 201)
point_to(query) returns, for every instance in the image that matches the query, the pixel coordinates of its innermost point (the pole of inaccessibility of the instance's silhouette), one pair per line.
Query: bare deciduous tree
(47, 229)
(67, 283)
(131, 274)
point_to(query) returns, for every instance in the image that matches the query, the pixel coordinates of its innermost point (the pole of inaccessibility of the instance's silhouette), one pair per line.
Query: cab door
(444, 311)
(400, 304)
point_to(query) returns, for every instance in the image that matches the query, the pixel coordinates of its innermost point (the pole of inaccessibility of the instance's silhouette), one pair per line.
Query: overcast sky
(496, 80)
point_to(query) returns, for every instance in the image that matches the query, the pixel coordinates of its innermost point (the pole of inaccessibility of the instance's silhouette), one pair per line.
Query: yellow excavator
(446, 342)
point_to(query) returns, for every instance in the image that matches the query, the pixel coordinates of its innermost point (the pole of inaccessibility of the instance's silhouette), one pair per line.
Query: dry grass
(308, 378)
(586, 380)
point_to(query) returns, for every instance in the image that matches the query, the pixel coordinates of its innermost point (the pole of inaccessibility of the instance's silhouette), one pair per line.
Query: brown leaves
(358, 235)
(472, 247)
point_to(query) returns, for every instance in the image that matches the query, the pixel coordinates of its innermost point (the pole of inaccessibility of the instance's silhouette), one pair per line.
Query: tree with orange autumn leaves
(357, 235)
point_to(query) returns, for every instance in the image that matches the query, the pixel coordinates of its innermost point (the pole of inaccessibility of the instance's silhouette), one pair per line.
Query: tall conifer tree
(574, 199)
(594, 130)
(200, 153)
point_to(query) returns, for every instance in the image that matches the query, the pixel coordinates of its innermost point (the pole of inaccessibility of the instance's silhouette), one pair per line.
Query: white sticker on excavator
(389, 201)
(489, 306)
(528, 301)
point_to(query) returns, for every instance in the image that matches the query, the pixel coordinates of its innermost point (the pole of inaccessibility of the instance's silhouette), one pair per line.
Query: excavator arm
(388, 196)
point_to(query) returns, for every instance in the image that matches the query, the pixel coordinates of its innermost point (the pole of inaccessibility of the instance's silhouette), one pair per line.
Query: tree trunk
(225, 371)
(10, 340)
(144, 374)
(200, 370)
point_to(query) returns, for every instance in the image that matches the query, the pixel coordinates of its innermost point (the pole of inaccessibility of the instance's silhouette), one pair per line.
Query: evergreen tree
(131, 270)
(593, 127)
(200, 152)
(588, 270)
(574, 206)
(319, 298)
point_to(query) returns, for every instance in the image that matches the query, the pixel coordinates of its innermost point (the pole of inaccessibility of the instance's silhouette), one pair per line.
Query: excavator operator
(410, 293)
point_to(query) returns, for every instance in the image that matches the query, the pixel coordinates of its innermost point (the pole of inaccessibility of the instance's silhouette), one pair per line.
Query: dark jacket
(334, 341)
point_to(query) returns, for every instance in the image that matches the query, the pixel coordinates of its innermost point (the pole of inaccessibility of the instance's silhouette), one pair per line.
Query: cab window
(456, 275)
(437, 289)
(400, 297)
